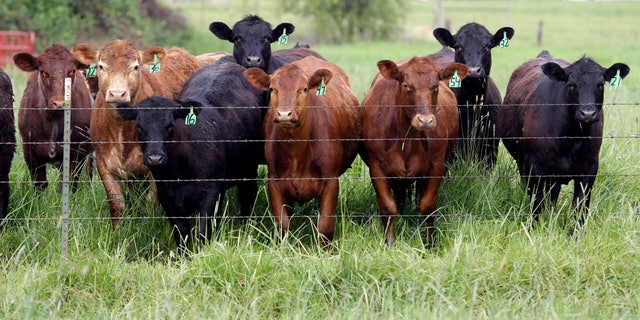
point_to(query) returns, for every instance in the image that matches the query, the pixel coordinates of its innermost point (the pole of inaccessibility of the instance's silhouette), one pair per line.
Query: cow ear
(389, 70)
(277, 32)
(126, 111)
(85, 54)
(148, 56)
(26, 61)
(184, 108)
(613, 71)
(448, 71)
(258, 78)
(499, 35)
(444, 37)
(221, 30)
(316, 78)
(554, 71)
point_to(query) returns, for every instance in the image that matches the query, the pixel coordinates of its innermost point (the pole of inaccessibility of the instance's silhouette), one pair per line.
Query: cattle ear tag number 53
(191, 118)
(91, 71)
(455, 81)
(321, 89)
(284, 38)
(155, 66)
(504, 43)
(616, 81)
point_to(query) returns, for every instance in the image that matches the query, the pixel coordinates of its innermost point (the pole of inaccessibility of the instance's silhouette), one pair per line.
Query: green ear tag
(91, 71)
(284, 38)
(616, 81)
(155, 66)
(321, 89)
(504, 43)
(455, 81)
(191, 118)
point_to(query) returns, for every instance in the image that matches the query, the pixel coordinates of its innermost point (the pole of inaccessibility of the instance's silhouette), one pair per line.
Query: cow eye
(135, 68)
(571, 86)
(305, 89)
(600, 87)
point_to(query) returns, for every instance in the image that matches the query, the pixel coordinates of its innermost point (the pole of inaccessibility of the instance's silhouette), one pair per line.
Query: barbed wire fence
(359, 178)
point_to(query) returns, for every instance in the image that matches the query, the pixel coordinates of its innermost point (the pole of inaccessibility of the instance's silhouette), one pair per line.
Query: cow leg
(210, 204)
(429, 200)
(388, 208)
(37, 170)
(247, 193)
(278, 206)
(328, 203)
(114, 193)
(4, 197)
(582, 197)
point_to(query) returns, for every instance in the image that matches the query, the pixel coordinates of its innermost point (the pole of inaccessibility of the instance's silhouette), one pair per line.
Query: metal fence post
(65, 170)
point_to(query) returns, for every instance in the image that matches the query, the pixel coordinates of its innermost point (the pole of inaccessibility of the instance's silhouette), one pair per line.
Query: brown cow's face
(418, 87)
(118, 66)
(54, 65)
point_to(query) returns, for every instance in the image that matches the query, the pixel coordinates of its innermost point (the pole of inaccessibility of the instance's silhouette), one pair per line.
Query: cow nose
(118, 95)
(588, 115)
(254, 61)
(155, 159)
(286, 116)
(56, 103)
(475, 72)
(424, 122)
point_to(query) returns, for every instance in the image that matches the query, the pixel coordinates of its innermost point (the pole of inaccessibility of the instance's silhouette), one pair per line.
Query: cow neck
(477, 87)
(296, 139)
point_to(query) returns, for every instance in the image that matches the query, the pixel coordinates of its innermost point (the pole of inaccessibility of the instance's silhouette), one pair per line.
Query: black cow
(551, 123)
(478, 97)
(252, 38)
(194, 165)
(7, 140)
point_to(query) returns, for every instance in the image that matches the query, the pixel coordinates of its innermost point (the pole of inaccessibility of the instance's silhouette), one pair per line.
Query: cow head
(472, 45)
(584, 85)
(291, 91)
(418, 85)
(54, 65)
(118, 65)
(251, 38)
(155, 119)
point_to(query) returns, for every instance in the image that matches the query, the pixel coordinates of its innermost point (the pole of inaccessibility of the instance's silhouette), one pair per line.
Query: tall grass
(488, 261)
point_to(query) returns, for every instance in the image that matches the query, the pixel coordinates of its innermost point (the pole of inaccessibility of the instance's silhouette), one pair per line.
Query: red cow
(41, 115)
(310, 139)
(410, 126)
(124, 77)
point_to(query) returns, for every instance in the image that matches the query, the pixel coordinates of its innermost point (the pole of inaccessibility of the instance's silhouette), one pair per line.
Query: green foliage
(72, 21)
(347, 21)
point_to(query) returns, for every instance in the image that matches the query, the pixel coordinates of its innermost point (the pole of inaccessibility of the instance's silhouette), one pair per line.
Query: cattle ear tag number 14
(455, 81)
(284, 38)
(191, 118)
(616, 81)
(321, 89)
(155, 66)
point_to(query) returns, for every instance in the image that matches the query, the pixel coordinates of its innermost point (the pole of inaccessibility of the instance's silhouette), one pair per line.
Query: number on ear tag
(321, 89)
(155, 66)
(191, 118)
(455, 81)
(284, 38)
(91, 71)
(504, 43)
(616, 81)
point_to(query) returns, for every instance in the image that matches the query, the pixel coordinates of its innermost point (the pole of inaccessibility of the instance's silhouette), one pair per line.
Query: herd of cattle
(194, 126)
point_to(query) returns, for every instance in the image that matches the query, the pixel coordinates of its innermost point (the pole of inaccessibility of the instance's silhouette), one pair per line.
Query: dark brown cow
(410, 126)
(7, 141)
(551, 123)
(124, 77)
(41, 115)
(310, 140)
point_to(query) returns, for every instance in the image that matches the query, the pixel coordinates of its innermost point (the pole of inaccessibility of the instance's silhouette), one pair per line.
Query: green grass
(488, 262)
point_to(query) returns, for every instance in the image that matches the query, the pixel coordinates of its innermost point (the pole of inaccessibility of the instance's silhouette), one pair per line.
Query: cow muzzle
(56, 102)
(118, 95)
(424, 121)
(154, 159)
(587, 114)
(253, 61)
(286, 116)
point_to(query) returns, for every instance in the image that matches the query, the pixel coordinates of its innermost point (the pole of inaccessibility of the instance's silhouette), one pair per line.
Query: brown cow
(41, 115)
(124, 76)
(410, 126)
(310, 139)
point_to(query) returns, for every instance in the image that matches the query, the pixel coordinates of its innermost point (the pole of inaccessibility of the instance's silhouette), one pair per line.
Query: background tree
(348, 21)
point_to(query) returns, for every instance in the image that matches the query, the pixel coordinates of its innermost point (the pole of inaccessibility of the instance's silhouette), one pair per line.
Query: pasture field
(487, 263)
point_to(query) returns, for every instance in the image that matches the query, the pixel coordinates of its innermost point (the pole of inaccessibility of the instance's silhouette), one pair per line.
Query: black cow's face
(155, 125)
(473, 44)
(584, 86)
(252, 38)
